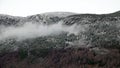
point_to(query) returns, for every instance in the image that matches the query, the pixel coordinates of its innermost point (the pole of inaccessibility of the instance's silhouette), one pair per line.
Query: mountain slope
(53, 40)
(94, 30)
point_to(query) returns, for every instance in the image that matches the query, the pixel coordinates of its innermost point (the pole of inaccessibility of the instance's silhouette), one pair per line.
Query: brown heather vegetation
(64, 58)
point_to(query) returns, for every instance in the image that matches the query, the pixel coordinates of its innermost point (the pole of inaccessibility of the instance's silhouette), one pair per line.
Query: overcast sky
(30, 7)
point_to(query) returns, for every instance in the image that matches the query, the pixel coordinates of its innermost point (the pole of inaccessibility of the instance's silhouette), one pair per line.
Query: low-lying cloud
(33, 30)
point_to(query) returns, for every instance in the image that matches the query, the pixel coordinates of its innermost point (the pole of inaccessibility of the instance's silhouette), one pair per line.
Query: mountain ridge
(49, 17)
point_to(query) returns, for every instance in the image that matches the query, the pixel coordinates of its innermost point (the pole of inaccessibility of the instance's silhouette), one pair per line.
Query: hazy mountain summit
(60, 39)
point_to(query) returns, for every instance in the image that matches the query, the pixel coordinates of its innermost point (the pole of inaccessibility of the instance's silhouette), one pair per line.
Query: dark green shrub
(23, 53)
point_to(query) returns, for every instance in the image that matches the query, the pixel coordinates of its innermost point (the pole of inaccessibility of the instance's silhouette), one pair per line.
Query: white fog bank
(33, 30)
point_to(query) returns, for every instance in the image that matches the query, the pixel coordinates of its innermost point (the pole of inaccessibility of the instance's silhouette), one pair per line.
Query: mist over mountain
(59, 30)
(87, 27)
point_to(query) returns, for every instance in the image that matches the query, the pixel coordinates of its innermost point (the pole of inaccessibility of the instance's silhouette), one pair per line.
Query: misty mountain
(76, 30)
(60, 39)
